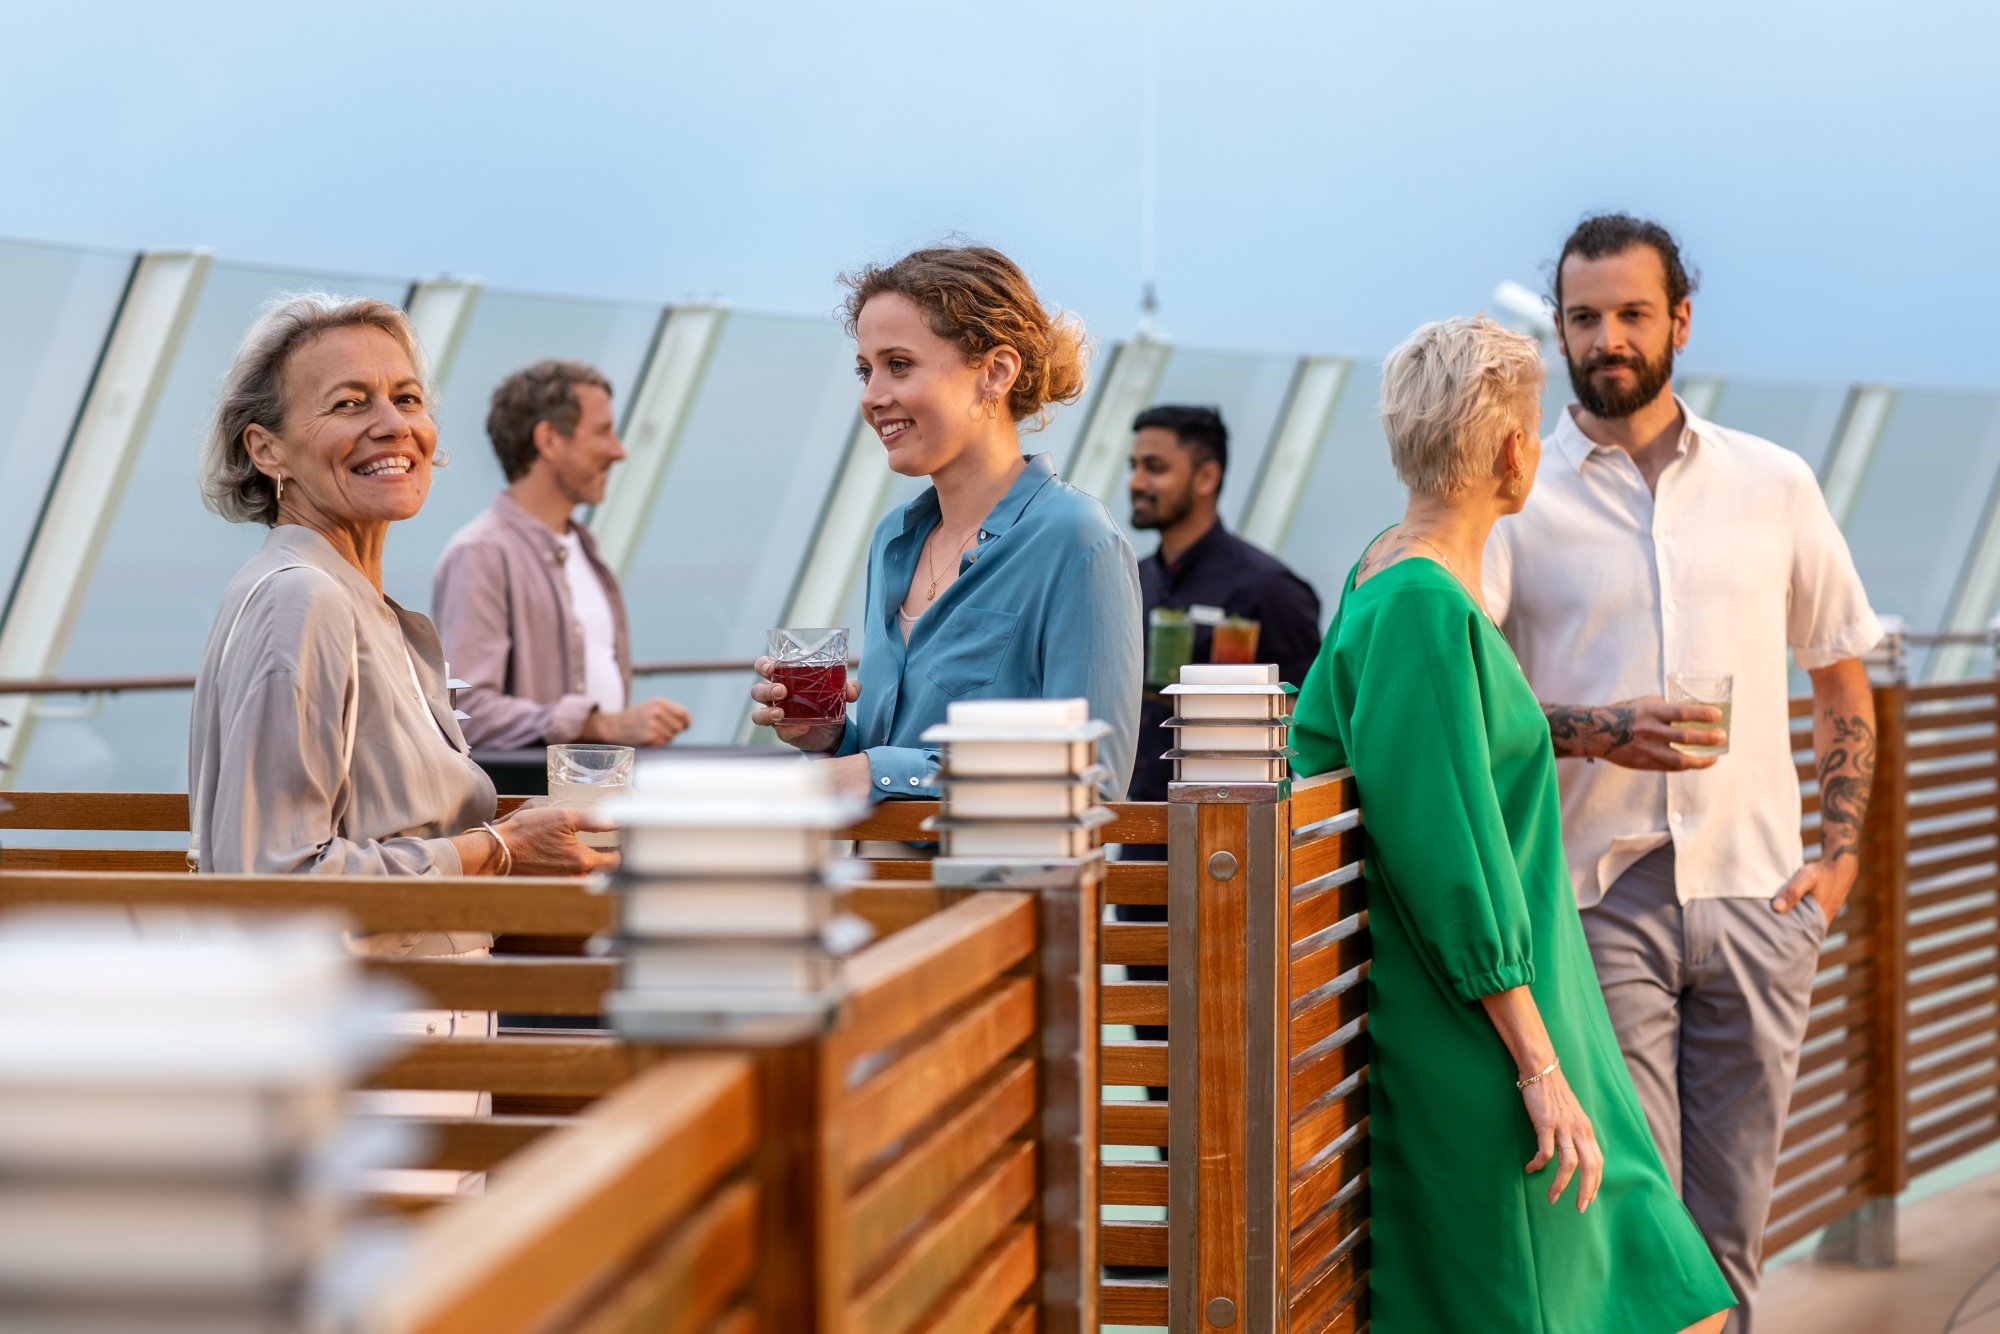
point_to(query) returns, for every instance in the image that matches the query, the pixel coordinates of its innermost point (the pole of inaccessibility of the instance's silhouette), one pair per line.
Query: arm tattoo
(1846, 778)
(1580, 732)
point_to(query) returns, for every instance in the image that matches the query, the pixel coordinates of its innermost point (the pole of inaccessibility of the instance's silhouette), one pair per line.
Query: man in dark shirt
(1179, 456)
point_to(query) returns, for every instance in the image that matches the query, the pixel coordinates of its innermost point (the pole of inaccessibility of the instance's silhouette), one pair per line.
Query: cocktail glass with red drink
(1235, 640)
(811, 664)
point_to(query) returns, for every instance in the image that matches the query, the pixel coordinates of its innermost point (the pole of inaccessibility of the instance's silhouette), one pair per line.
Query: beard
(1165, 512)
(1648, 379)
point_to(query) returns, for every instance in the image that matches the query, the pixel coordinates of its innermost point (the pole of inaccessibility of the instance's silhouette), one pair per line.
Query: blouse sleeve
(1423, 769)
(1091, 648)
(282, 782)
(1316, 743)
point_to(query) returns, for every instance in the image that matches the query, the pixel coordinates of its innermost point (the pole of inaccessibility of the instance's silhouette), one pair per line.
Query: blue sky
(1330, 174)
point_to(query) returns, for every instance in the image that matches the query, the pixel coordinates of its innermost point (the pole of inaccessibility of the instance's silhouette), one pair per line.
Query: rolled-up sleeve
(1092, 647)
(1828, 619)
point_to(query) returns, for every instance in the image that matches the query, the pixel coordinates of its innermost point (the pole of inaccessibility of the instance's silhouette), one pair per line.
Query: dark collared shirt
(1222, 570)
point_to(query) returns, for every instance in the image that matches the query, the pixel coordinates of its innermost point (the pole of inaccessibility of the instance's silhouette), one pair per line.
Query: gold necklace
(1438, 549)
(930, 594)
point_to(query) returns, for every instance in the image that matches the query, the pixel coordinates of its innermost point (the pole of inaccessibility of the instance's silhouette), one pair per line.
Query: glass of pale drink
(588, 776)
(1710, 688)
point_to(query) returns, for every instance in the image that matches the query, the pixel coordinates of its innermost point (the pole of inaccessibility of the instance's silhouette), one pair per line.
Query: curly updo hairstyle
(976, 297)
(253, 392)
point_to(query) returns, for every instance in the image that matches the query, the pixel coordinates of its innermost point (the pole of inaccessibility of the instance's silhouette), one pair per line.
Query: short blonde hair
(1451, 392)
(253, 393)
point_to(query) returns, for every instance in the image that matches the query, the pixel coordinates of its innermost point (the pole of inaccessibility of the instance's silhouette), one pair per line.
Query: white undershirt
(602, 681)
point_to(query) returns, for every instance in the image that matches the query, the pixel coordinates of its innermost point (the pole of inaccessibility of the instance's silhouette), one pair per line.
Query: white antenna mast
(1149, 183)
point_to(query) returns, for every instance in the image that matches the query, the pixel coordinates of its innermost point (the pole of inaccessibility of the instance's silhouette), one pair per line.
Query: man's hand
(1829, 882)
(1636, 733)
(653, 722)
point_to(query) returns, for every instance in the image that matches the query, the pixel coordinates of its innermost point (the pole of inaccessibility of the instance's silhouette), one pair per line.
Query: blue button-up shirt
(1046, 606)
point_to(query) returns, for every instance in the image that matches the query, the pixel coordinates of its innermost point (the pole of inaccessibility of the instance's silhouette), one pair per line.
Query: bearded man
(1656, 544)
(529, 615)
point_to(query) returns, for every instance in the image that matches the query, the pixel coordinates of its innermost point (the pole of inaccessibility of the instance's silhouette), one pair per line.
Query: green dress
(1468, 894)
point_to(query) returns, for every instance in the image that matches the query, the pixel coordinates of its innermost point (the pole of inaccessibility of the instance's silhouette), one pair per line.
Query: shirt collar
(1198, 550)
(313, 548)
(1576, 447)
(1038, 473)
(513, 512)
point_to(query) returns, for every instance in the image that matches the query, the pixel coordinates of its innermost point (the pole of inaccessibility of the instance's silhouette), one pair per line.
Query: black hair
(1602, 235)
(1200, 429)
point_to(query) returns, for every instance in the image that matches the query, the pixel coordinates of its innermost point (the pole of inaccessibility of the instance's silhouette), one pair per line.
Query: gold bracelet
(1539, 1075)
(506, 853)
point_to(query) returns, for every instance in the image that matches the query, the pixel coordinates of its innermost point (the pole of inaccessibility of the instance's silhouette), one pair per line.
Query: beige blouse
(322, 740)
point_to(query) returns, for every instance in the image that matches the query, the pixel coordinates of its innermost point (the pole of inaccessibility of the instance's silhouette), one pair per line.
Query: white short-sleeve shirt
(1604, 587)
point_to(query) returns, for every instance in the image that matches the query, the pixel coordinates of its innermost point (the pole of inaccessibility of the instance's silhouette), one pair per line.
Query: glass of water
(1710, 688)
(587, 776)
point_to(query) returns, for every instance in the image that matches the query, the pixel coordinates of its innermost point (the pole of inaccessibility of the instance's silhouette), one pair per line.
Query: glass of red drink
(811, 664)
(1235, 640)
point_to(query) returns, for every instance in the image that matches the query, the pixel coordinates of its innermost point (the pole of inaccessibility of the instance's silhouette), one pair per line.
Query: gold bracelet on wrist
(1539, 1075)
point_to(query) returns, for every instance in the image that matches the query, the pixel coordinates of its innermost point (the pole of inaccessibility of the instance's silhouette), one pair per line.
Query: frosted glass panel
(1350, 495)
(1801, 417)
(1250, 393)
(56, 309)
(740, 501)
(508, 332)
(166, 559)
(1922, 503)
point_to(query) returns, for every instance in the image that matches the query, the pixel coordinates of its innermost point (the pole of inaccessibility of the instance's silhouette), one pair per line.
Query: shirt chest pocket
(975, 642)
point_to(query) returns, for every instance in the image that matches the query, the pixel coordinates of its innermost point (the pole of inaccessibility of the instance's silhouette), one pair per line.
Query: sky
(1329, 175)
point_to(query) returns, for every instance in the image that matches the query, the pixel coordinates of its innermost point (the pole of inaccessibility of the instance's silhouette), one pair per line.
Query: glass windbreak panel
(741, 498)
(1801, 417)
(1350, 495)
(55, 314)
(1921, 506)
(166, 559)
(1250, 392)
(508, 332)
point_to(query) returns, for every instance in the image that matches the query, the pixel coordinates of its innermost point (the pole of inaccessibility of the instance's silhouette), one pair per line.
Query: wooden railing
(1264, 1132)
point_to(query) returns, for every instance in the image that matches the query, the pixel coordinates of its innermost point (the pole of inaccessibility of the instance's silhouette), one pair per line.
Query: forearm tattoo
(1846, 778)
(1580, 732)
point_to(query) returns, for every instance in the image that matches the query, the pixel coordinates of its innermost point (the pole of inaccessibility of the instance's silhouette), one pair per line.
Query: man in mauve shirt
(1656, 544)
(531, 618)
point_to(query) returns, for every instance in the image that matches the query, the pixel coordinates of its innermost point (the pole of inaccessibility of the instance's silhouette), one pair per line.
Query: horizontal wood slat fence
(895, 1174)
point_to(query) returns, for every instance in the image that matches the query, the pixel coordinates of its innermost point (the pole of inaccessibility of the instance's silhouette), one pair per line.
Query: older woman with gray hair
(323, 739)
(1491, 1046)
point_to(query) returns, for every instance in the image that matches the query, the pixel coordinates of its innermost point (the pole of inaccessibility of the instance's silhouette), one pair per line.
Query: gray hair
(253, 393)
(1451, 392)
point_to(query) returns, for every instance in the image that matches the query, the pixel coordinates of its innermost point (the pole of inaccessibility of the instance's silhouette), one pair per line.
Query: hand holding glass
(1710, 688)
(585, 776)
(812, 667)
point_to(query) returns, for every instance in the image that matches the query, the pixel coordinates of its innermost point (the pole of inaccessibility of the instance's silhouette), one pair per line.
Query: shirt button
(1673, 605)
(1676, 817)
(916, 782)
(885, 782)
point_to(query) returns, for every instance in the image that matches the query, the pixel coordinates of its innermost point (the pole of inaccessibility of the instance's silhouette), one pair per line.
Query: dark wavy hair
(1200, 429)
(1601, 235)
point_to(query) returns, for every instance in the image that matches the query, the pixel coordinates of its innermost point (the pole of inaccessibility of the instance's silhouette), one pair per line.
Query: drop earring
(281, 490)
(441, 459)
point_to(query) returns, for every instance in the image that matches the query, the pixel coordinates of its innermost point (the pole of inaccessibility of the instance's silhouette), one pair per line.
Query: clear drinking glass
(1169, 645)
(1710, 688)
(586, 775)
(811, 664)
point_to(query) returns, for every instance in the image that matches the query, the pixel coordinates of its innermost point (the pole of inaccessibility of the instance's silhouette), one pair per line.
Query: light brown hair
(976, 297)
(544, 392)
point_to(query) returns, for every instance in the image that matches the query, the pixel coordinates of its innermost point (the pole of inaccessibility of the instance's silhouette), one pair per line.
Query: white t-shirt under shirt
(1603, 587)
(602, 680)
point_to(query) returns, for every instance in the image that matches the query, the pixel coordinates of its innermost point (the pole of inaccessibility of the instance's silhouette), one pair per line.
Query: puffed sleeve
(286, 705)
(1316, 743)
(1423, 770)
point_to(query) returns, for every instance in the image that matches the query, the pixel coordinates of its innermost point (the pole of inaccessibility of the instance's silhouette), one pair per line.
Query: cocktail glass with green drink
(1710, 688)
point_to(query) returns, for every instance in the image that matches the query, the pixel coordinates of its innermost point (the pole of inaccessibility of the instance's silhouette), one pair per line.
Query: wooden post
(1867, 1237)
(1228, 1115)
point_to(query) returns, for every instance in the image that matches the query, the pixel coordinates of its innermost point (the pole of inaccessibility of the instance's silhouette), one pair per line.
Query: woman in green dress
(1492, 1049)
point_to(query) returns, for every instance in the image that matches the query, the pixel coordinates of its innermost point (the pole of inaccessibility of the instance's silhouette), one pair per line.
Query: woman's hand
(814, 738)
(1563, 1133)
(543, 841)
